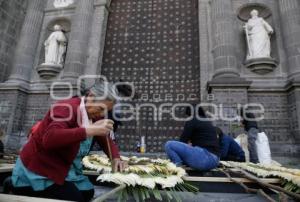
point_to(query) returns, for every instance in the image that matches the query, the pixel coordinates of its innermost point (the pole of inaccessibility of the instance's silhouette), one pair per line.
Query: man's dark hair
(219, 131)
(188, 111)
(200, 111)
(124, 90)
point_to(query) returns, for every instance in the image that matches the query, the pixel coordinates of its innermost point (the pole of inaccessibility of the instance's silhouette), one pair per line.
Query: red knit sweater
(52, 149)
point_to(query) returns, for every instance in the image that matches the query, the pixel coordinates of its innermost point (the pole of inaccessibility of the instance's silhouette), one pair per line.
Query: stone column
(97, 38)
(206, 59)
(79, 39)
(227, 89)
(290, 21)
(224, 49)
(28, 42)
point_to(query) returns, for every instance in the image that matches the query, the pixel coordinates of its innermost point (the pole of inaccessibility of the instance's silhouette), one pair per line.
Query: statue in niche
(258, 34)
(55, 47)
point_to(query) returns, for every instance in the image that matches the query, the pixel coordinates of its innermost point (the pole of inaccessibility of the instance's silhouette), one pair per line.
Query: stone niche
(259, 64)
(46, 69)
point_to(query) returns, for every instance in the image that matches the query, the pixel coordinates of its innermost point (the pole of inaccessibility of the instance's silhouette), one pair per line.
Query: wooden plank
(207, 179)
(90, 172)
(14, 198)
(111, 193)
(4, 168)
(225, 179)
(213, 170)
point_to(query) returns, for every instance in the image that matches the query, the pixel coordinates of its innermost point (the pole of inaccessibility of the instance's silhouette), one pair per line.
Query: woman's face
(97, 108)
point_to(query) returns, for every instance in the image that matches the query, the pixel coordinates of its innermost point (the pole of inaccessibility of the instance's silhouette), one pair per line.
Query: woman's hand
(100, 128)
(118, 165)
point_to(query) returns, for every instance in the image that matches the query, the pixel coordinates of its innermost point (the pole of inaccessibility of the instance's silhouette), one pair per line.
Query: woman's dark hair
(249, 121)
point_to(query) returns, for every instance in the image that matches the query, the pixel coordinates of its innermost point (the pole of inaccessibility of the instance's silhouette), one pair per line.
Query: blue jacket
(230, 149)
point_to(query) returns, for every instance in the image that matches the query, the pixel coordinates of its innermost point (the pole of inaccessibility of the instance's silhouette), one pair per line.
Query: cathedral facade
(172, 51)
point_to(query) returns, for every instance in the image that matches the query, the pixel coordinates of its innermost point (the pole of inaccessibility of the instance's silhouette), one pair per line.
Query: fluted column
(227, 87)
(79, 37)
(224, 49)
(28, 42)
(97, 38)
(290, 21)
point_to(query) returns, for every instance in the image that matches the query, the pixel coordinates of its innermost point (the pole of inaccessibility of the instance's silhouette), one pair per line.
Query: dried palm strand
(290, 177)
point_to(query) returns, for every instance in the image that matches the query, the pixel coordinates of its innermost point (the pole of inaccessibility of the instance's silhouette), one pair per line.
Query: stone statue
(258, 33)
(55, 47)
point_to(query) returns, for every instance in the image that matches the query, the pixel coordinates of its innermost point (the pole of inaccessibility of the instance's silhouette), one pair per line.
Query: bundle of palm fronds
(143, 177)
(290, 177)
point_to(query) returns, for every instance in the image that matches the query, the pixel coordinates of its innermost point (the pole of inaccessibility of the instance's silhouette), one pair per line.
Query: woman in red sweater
(50, 163)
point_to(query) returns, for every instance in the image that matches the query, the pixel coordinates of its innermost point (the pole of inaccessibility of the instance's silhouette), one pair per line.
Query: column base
(15, 80)
(225, 73)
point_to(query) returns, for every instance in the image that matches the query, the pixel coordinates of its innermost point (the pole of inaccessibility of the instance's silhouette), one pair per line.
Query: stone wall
(277, 121)
(12, 14)
(12, 114)
(168, 60)
(36, 108)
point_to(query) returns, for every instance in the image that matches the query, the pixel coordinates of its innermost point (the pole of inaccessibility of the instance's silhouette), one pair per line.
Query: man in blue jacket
(230, 150)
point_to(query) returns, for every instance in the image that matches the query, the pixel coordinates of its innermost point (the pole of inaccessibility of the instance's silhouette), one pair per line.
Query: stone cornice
(14, 86)
(228, 82)
(293, 84)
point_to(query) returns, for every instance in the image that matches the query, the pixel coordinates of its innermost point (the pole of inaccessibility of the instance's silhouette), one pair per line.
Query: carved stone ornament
(62, 3)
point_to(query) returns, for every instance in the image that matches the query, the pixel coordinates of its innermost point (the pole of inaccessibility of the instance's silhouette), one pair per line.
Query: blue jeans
(194, 157)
